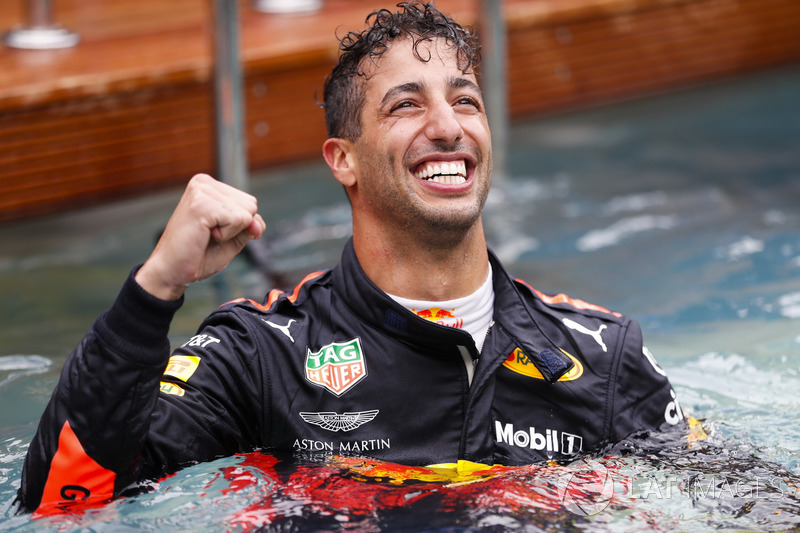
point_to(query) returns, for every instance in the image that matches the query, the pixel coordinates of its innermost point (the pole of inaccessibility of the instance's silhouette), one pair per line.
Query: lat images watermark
(700, 486)
(588, 487)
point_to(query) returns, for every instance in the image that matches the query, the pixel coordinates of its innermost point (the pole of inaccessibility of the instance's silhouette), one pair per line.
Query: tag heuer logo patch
(337, 366)
(339, 422)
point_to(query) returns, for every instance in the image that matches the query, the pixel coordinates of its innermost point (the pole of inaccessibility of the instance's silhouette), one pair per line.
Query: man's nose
(443, 124)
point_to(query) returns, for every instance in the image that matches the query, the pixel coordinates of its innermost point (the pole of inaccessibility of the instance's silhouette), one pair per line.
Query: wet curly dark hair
(344, 87)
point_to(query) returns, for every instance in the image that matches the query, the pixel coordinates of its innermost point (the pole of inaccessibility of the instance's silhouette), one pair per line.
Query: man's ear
(340, 157)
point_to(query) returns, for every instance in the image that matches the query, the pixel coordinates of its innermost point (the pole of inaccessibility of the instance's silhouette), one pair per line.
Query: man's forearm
(93, 428)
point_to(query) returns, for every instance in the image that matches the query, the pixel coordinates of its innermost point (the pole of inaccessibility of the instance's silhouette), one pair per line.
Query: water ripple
(22, 365)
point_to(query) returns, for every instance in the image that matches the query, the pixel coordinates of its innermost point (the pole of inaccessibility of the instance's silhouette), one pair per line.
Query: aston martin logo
(339, 422)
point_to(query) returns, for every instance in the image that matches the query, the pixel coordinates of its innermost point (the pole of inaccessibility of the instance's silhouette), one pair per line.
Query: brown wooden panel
(130, 109)
(285, 122)
(90, 163)
(595, 60)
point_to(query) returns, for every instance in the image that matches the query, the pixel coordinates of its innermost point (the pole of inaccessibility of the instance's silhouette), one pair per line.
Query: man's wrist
(157, 286)
(138, 323)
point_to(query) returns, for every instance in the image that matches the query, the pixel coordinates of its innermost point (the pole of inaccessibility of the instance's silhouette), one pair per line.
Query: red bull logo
(445, 317)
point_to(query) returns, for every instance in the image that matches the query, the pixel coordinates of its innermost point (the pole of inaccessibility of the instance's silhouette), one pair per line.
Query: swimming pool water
(681, 211)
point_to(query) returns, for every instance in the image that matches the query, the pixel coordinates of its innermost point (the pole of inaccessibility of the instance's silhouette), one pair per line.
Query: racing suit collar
(381, 311)
(513, 319)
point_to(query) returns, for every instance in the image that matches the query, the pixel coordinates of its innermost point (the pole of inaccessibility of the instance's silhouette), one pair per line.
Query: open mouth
(447, 172)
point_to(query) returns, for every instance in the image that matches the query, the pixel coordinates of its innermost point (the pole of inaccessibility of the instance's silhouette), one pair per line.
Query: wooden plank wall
(129, 110)
(596, 52)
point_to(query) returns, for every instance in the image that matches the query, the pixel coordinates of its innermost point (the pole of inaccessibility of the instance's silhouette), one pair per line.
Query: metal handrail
(494, 79)
(287, 6)
(229, 108)
(40, 32)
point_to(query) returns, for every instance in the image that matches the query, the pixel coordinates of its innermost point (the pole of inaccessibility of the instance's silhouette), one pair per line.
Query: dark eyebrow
(416, 87)
(461, 83)
(410, 87)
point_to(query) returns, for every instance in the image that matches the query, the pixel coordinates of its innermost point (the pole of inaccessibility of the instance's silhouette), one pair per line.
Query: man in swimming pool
(418, 348)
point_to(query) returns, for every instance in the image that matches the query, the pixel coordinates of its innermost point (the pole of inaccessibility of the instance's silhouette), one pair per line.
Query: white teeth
(450, 173)
(449, 180)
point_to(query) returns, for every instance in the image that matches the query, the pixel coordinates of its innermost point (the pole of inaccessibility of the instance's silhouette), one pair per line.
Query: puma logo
(580, 328)
(283, 329)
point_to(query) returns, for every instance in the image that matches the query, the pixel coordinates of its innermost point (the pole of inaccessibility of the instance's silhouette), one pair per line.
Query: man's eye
(468, 100)
(401, 105)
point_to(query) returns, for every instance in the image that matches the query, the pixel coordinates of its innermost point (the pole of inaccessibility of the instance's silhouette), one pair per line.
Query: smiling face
(423, 160)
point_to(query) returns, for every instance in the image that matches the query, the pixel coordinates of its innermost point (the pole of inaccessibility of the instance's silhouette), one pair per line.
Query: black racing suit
(338, 367)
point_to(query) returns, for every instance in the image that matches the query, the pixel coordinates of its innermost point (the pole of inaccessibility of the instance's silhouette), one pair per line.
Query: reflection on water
(659, 483)
(680, 211)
